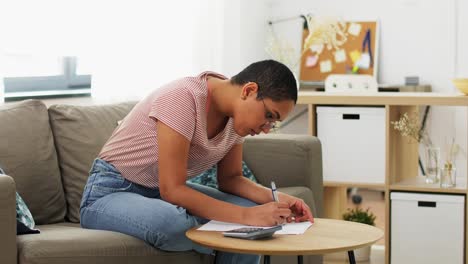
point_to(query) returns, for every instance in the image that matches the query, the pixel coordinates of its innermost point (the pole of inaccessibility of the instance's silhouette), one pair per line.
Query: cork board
(354, 43)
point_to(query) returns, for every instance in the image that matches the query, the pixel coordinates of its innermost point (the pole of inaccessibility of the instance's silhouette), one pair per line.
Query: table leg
(300, 259)
(351, 257)
(266, 259)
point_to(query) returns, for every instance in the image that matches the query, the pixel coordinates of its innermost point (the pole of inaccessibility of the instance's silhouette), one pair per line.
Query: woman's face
(253, 116)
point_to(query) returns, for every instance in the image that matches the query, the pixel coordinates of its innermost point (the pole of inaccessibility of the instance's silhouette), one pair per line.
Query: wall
(418, 37)
(243, 34)
(427, 38)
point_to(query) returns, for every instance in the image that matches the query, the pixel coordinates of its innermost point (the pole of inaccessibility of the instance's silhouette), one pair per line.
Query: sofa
(47, 153)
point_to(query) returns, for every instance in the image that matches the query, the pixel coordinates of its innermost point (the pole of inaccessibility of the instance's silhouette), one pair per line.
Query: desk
(324, 236)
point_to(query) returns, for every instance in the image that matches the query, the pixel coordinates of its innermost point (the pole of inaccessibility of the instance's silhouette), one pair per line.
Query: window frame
(68, 84)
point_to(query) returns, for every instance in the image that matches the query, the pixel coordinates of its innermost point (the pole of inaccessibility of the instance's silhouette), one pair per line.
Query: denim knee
(174, 232)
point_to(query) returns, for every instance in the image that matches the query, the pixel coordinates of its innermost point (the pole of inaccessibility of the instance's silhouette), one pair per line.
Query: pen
(367, 41)
(273, 191)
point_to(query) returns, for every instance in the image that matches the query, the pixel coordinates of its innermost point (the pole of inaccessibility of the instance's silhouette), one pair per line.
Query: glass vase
(432, 155)
(448, 176)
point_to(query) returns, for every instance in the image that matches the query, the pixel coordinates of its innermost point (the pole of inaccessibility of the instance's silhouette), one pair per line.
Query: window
(114, 50)
(39, 77)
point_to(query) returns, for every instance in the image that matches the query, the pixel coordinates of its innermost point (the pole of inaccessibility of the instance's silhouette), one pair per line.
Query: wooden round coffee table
(323, 237)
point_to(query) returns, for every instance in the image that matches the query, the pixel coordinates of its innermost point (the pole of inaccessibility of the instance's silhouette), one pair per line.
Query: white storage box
(427, 228)
(353, 143)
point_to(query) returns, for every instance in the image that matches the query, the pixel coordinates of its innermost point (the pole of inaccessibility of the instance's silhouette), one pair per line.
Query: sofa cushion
(290, 160)
(69, 243)
(303, 193)
(28, 154)
(79, 133)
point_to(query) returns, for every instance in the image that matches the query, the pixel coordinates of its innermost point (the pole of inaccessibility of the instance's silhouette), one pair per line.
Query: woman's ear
(249, 89)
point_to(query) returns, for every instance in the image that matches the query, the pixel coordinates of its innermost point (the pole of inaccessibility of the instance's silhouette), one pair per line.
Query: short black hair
(274, 80)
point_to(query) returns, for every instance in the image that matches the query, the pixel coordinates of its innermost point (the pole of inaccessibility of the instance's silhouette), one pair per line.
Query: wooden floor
(377, 257)
(374, 200)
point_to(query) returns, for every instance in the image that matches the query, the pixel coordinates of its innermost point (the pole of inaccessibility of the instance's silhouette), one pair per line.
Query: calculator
(252, 232)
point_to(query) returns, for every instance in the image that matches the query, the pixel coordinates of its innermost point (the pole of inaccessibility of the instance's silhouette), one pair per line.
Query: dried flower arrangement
(448, 175)
(323, 31)
(409, 127)
(281, 50)
(452, 152)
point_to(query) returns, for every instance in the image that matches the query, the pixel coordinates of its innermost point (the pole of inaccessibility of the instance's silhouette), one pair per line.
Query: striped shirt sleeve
(176, 108)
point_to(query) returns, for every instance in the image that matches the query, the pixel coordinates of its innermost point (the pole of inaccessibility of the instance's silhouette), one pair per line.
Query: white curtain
(129, 47)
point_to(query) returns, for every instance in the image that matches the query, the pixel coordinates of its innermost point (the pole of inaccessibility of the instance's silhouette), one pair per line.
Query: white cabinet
(427, 228)
(353, 143)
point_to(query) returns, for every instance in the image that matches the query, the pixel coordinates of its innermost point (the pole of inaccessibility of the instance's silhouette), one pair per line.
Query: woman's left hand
(300, 211)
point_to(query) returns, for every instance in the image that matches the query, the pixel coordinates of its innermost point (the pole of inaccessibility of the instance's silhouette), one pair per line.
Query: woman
(137, 185)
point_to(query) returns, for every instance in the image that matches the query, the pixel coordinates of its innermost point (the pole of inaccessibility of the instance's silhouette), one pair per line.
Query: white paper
(364, 61)
(288, 228)
(340, 56)
(316, 48)
(294, 228)
(325, 66)
(354, 29)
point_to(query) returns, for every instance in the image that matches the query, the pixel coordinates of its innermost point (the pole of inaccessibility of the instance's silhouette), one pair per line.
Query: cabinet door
(427, 228)
(353, 143)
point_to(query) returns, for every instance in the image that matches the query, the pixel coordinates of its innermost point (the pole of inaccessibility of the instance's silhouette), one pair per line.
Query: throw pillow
(24, 220)
(208, 178)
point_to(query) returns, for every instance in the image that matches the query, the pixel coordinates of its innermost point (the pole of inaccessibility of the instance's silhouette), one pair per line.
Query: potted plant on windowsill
(358, 215)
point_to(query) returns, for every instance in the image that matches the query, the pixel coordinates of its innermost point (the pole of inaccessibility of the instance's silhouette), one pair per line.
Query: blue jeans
(111, 202)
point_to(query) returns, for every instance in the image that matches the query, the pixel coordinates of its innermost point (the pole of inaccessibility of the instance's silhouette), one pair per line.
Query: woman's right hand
(269, 214)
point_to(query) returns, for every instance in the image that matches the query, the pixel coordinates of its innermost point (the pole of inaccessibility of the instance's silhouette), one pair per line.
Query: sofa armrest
(289, 160)
(7, 220)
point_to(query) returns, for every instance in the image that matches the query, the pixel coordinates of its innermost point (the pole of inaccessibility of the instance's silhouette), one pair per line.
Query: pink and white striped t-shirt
(181, 105)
